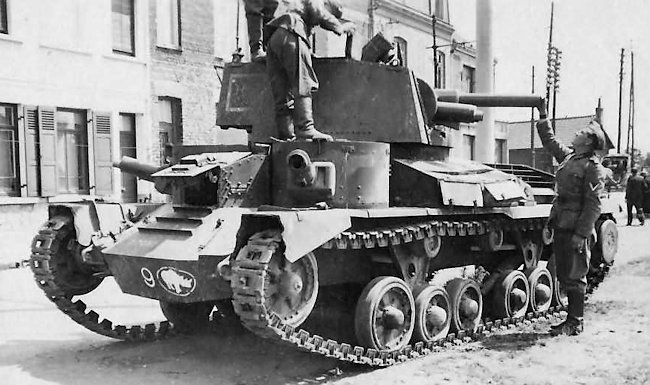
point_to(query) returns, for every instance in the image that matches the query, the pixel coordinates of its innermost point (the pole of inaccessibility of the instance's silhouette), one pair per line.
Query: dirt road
(40, 345)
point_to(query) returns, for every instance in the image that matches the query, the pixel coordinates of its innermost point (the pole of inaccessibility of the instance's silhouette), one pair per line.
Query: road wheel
(385, 314)
(466, 304)
(432, 314)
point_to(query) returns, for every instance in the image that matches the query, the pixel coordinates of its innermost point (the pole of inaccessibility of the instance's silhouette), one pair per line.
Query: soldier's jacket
(302, 16)
(579, 182)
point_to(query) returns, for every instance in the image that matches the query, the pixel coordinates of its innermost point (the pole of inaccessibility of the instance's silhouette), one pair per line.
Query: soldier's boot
(255, 24)
(303, 121)
(284, 126)
(574, 323)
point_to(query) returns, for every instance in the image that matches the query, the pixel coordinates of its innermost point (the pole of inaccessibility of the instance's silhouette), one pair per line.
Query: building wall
(59, 54)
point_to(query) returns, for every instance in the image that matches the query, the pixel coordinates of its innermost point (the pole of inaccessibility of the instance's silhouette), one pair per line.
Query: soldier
(634, 191)
(258, 13)
(578, 182)
(289, 65)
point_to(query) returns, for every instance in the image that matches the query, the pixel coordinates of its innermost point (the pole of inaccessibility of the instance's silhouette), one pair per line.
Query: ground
(41, 345)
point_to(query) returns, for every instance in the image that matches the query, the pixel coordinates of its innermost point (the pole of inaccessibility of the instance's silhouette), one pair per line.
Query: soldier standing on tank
(258, 14)
(289, 63)
(634, 191)
(579, 182)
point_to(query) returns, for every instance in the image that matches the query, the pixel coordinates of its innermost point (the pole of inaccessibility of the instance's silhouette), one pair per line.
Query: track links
(250, 272)
(44, 246)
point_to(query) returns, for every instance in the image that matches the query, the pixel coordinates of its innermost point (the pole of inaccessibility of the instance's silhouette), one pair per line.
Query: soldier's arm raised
(593, 186)
(546, 135)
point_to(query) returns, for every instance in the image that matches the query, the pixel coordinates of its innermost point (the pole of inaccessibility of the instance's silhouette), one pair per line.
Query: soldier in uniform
(634, 191)
(258, 13)
(289, 63)
(579, 183)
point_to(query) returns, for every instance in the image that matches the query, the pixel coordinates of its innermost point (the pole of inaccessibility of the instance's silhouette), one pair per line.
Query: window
(440, 70)
(123, 27)
(500, 151)
(468, 79)
(401, 44)
(4, 27)
(71, 152)
(128, 148)
(170, 127)
(168, 23)
(9, 183)
(468, 146)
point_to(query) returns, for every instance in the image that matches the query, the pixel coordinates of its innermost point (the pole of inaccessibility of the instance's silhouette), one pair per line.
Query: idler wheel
(540, 283)
(188, 317)
(292, 288)
(432, 314)
(510, 297)
(606, 244)
(385, 314)
(466, 304)
(70, 274)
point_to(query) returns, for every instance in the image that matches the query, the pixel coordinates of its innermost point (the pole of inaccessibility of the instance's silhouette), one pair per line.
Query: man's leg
(639, 211)
(255, 22)
(629, 212)
(307, 83)
(280, 85)
(572, 268)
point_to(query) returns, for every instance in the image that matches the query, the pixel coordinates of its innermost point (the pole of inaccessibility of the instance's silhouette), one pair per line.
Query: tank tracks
(251, 268)
(255, 318)
(44, 246)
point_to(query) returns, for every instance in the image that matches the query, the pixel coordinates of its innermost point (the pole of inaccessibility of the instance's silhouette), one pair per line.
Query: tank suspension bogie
(540, 283)
(510, 295)
(466, 304)
(559, 297)
(432, 314)
(491, 241)
(385, 314)
(606, 246)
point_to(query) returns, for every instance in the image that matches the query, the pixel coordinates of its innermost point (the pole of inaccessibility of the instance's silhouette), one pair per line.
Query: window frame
(441, 74)
(15, 149)
(4, 17)
(83, 178)
(165, 45)
(120, 51)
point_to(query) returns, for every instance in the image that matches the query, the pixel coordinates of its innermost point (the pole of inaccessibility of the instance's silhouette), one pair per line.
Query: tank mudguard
(302, 231)
(90, 218)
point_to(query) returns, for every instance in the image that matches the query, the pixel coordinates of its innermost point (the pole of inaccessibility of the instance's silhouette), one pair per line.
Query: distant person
(634, 191)
(579, 182)
(258, 13)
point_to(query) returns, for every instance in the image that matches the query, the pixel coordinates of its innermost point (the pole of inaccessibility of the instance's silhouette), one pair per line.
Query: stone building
(83, 83)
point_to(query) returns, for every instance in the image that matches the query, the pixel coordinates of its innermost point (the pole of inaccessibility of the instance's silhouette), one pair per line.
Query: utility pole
(550, 45)
(620, 100)
(630, 127)
(435, 49)
(532, 124)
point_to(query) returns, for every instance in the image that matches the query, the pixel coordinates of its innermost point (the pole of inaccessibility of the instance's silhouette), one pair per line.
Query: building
(519, 141)
(83, 83)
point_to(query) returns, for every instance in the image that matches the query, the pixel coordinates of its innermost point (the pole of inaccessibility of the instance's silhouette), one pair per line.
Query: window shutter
(28, 149)
(102, 149)
(47, 150)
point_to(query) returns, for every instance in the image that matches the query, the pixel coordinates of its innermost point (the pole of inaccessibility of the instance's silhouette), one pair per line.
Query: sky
(590, 34)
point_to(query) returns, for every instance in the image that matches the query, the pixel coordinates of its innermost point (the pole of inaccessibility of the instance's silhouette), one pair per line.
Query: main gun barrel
(486, 100)
(137, 168)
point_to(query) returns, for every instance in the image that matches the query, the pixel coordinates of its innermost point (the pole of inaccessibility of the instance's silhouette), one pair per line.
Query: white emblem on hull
(175, 281)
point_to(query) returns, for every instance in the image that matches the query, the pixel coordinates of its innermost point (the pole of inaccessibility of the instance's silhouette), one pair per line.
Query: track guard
(302, 231)
(91, 217)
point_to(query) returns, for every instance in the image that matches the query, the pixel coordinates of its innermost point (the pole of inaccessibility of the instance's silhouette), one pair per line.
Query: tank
(374, 248)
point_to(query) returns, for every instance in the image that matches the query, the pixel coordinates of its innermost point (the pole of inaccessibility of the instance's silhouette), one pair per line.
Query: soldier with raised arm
(579, 182)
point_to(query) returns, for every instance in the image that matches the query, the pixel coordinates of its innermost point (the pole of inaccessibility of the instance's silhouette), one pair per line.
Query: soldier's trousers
(258, 13)
(638, 205)
(290, 69)
(572, 267)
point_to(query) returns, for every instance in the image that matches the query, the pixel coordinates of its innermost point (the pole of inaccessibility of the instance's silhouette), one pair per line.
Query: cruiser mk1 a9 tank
(373, 248)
